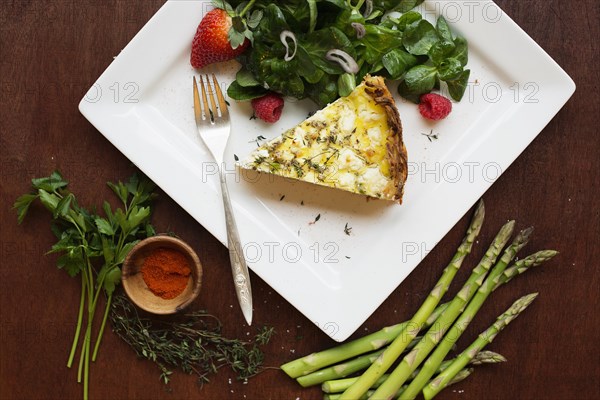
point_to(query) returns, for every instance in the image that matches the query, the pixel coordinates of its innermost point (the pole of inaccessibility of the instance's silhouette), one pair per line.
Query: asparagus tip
(477, 220)
(507, 229)
(488, 357)
(480, 207)
(526, 233)
(524, 302)
(461, 376)
(530, 297)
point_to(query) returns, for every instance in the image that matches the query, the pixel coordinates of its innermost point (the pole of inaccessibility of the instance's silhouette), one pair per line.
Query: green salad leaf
(419, 37)
(457, 87)
(397, 62)
(450, 69)
(378, 41)
(443, 29)
(461, 52)
(420, 79)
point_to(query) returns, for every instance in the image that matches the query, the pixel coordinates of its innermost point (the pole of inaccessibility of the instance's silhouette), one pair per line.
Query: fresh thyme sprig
(258, 140)
(192, 342)
(347, 229)
(430, 136)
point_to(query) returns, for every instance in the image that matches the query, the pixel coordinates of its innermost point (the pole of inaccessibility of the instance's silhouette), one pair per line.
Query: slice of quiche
(354, 144)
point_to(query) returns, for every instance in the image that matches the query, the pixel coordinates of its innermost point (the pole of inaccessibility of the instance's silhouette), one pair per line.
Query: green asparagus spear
(339, 371)
(339, 385)
(460, 376)
(374, 341)
(444, 378)
(413, 359)
(344, 369)
(393, 351)
(525, 264)
(436, 358)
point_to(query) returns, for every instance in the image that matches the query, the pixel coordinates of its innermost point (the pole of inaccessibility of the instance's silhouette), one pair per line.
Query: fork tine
(222, 103)
(211, 96)
(197, 106)
(204, 101)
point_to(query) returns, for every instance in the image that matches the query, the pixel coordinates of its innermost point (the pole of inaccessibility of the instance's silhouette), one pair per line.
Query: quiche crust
(396, 150)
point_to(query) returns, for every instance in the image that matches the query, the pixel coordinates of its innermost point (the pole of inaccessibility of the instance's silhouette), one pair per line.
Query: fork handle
(241, 275)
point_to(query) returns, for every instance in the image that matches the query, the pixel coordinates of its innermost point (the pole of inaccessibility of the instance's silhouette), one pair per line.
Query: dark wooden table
(51, 52)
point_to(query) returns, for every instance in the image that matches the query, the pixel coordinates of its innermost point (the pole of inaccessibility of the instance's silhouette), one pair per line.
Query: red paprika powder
(166, 272)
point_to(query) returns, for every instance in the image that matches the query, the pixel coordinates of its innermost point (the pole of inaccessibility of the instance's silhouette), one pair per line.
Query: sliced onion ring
(344, 59)
(360, 29)
(284, 36)
(368, 8)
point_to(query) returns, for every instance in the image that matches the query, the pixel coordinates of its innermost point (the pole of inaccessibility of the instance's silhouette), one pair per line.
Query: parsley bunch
(92, 246)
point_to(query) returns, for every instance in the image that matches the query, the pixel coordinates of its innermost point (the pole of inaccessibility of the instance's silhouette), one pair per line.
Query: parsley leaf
(22, 205)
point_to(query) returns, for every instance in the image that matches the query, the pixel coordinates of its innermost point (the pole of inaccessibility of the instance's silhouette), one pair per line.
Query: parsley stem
(98, 290)
(101, 332)
(88, 331)
(86, 369)
(79, 321)
(81, 360)
(121, 242)
(86, 273)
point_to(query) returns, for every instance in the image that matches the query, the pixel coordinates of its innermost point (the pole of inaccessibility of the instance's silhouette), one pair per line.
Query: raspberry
(268, 107)
(433, 106)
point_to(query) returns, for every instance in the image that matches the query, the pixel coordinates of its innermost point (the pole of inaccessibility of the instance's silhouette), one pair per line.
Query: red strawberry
(268, 107)
(211, 43)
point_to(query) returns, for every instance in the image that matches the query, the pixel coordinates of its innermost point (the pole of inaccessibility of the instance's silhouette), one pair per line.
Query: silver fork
(212, 120)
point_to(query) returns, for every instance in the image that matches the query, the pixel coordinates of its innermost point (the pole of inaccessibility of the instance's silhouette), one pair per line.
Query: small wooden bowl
(136, 287)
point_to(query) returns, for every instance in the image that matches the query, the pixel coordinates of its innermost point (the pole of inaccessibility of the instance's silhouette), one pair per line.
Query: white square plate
(143, 104)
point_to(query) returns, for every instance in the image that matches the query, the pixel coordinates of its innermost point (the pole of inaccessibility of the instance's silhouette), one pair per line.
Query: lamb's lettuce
(403, 47)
